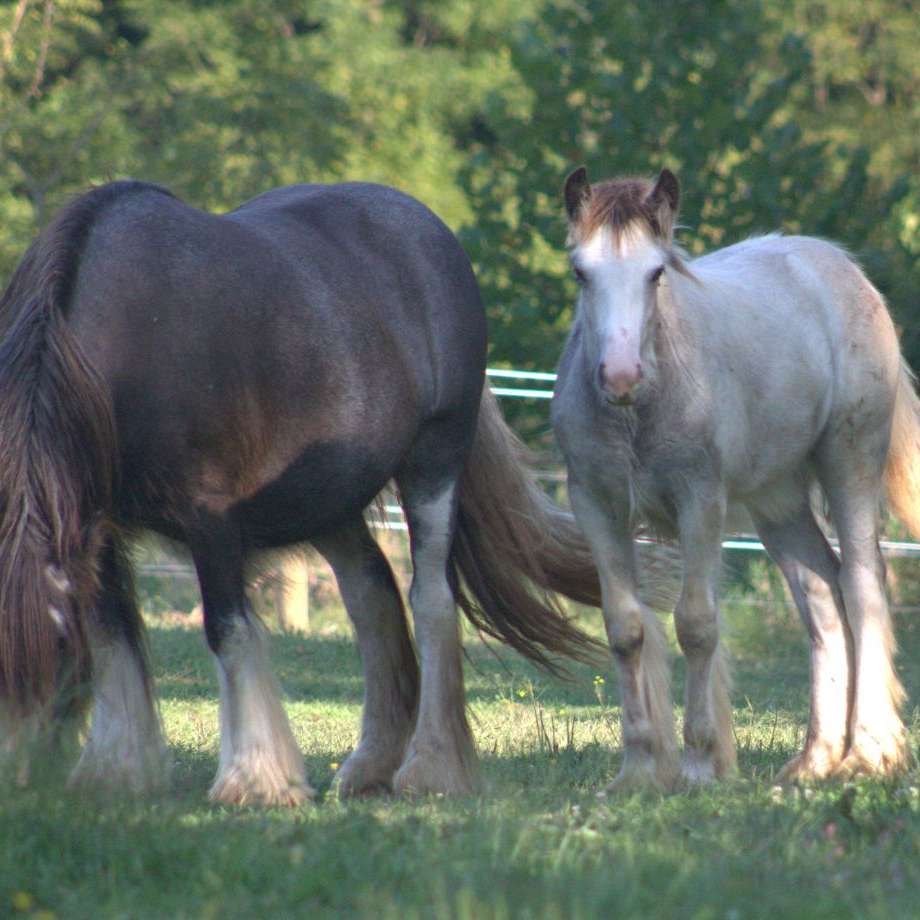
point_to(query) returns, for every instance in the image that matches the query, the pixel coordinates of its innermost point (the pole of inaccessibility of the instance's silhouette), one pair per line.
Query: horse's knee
(625, 631)
(697, 623)
(435, 617)
(226, 629)
(860, 580)
(432, 598)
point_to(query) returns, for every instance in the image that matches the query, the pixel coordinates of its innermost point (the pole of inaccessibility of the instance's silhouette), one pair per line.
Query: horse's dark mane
(57, 440)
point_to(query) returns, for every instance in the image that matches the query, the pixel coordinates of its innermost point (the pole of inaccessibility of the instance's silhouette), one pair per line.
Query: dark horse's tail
(57, 457)
(514, 547)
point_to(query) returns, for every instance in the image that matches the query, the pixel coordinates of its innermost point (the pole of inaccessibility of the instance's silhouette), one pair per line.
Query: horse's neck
(677, 353)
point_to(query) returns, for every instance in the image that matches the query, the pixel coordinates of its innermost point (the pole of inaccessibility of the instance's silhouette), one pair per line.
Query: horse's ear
(666, 192)
(577, 191)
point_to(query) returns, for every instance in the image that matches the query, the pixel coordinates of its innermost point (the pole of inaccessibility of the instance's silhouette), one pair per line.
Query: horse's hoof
(364, 775)
(624, 784)
(258, 780)
(868, 757)
(140, 765)
(427, 774)
(697, 772)
(98, 776)
(237, 790)
(816, 763)
(644, 776)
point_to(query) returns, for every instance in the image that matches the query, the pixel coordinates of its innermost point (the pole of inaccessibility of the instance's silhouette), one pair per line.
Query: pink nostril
(621, 383)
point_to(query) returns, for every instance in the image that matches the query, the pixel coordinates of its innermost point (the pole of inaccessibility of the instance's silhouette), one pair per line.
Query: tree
(220, 101)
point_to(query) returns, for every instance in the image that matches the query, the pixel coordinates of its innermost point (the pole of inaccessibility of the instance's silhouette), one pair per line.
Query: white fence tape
(521, 375)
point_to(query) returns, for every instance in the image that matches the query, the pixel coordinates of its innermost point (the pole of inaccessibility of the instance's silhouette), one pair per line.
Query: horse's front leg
(260, 762)
(709, 749)
(639, 649)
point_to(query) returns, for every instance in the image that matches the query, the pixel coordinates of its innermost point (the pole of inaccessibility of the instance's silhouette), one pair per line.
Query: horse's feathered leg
(260, 762)
(639, 648)
(800, 549)
(709, 749)
(877, 739)
(125, 747)
(441, 757)
(375, 607)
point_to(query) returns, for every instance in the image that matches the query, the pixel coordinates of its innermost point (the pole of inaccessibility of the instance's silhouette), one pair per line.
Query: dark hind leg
(375, 607)
(260, 762)
(800, 549)
(441, 757)
(124, 748)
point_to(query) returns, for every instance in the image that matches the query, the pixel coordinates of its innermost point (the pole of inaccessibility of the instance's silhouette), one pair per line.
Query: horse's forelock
(624, 207)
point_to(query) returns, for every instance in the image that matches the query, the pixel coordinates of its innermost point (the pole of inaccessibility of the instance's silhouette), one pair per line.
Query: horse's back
(792, 342)
(796, 301)
(319, 258)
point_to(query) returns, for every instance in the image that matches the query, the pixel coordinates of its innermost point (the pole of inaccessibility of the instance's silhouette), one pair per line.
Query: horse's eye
(655, 276)
(580, 276)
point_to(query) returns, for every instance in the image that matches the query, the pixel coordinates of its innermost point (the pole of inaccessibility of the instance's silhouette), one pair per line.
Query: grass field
(538, 842)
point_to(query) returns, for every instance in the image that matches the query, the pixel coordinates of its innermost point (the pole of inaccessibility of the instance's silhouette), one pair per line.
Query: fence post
(292, 595)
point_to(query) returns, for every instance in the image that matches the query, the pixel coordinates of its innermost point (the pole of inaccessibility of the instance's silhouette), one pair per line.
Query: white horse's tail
(902, 474)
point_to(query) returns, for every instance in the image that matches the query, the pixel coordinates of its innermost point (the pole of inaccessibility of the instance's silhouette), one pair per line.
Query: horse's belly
(327, 486)
(777, 500)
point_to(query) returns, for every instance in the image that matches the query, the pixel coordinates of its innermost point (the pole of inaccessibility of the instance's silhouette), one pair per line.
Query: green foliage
(225, 99)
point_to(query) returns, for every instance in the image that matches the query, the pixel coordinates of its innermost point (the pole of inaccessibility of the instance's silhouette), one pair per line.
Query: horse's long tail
(902, 473)
(514, 546)
(57, 456)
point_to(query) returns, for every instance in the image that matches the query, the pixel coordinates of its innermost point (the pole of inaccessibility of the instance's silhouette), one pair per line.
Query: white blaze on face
(615, 295)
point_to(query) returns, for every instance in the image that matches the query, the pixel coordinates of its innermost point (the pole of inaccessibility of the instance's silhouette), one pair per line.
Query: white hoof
(256, 778)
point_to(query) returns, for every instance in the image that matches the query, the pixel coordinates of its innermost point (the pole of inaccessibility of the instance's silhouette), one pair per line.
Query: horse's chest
(640, 486)
(654, 493)
(669, 467)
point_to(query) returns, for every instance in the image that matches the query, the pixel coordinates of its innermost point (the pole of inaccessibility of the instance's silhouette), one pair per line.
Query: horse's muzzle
(619, 387)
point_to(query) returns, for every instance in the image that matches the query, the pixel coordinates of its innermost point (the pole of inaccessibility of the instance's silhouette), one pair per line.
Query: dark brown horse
(243, 382)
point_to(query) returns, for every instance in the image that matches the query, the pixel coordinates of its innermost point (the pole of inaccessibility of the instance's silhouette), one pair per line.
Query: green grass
(538, 842)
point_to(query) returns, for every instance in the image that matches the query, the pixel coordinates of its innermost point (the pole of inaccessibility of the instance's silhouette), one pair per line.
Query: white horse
(742, 377)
